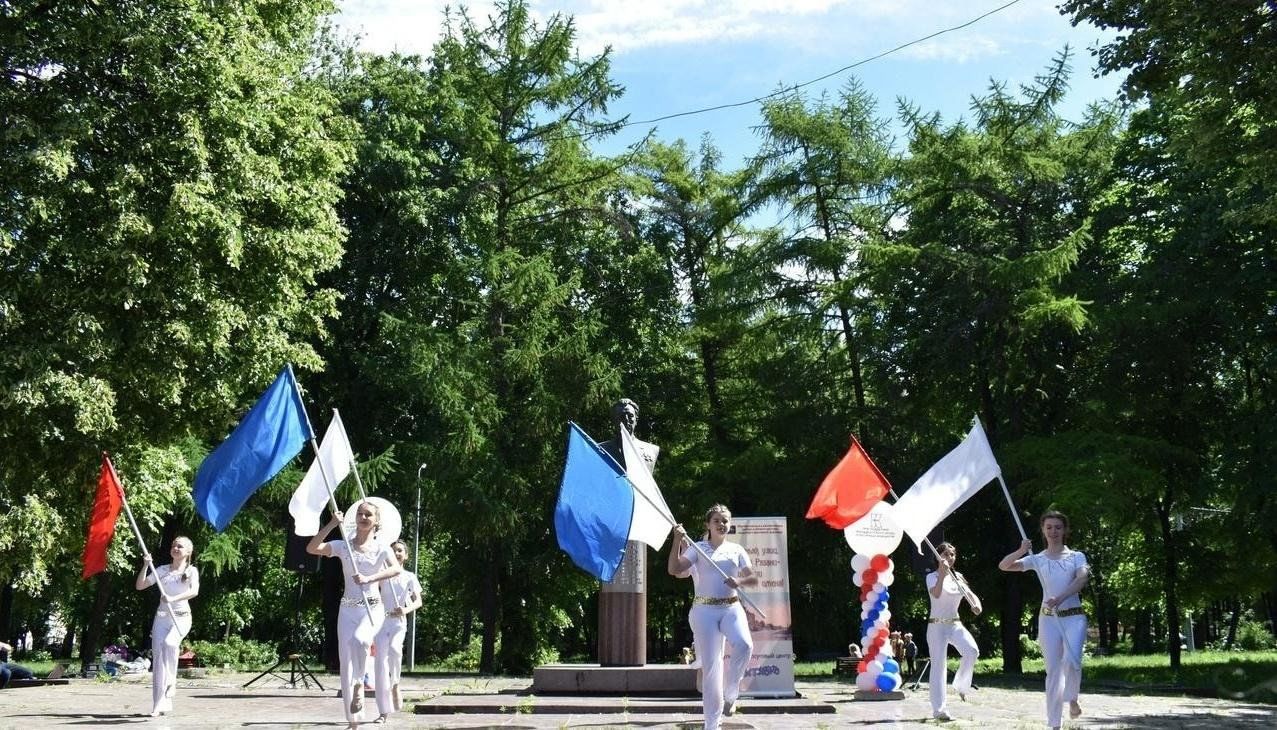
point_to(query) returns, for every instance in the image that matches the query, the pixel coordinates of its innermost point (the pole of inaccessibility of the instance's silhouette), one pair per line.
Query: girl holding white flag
(947, 589)
(365, 561)
(179, 582)
(401, 595)
(716, 614)
(1063, 573)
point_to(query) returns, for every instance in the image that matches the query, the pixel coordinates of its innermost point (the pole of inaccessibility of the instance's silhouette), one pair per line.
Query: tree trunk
(488, 615)
(1232, 625)
(1012, 615)
(1170, 579)
(93, 628)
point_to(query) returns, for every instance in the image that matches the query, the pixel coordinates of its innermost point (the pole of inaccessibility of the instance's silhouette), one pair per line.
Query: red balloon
(880, 563)
(862, 667)
(884, 633)
(869, 577)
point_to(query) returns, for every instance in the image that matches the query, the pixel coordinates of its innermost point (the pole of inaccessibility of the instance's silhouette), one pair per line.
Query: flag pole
(1024, 536)
(416, 567)
(363, 495)
(328, 485)
(673, 523)
(137, 533)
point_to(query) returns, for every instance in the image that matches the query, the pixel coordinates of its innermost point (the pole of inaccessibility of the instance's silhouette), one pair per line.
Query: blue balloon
(889, 666)
(886, 596)
(873, 614)
(886, 681)
(880, 605)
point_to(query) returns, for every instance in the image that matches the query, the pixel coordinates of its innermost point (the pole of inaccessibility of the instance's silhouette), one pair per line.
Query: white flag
(312, 494)
(945, 486)
(649, 524)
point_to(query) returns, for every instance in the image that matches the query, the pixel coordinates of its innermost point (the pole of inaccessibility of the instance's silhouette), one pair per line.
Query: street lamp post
(416, 567)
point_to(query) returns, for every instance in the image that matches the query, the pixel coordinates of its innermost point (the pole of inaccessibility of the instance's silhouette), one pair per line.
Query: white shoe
(941, 715)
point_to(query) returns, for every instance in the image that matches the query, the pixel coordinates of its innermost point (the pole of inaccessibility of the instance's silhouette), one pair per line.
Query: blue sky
(679, 55)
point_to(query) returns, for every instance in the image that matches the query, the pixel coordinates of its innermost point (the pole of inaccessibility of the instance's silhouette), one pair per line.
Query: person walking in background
(1063, 574)
(947, 589)
(401, 595)
(179, 582)
(911, 654)
(716, 616)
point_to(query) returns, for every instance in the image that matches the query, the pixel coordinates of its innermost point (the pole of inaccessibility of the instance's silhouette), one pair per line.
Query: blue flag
(596, 502)
(272, 433)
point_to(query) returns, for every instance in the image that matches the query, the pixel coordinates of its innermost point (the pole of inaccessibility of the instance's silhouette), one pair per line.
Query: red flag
(850, 490)
(106, 508)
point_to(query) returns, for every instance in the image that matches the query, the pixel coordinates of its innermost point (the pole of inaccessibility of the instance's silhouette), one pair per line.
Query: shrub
(1029, 648)
(467, 659)
(237, 652)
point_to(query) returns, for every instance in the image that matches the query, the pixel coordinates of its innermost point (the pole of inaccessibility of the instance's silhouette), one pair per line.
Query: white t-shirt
(367, 561)
(173, 584)
(946, 606)
(729, 556)
(395, 591)
(1056, 574)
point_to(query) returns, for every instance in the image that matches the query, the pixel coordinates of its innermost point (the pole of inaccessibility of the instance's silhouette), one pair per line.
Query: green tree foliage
(169, 175)
(977, 313)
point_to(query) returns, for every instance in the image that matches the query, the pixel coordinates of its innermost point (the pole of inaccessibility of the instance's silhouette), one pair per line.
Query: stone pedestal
(676, 680)
(623, 612)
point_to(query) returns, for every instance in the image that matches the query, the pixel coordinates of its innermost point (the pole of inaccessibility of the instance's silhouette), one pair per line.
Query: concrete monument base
(676, 680)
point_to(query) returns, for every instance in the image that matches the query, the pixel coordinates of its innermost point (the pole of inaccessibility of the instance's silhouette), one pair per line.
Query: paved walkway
(219, 701)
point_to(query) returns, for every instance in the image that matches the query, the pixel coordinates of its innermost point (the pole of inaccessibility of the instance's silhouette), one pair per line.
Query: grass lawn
(1248, 675)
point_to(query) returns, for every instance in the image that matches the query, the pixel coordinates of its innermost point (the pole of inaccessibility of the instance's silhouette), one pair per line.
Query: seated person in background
(11, 671)
(853, 651)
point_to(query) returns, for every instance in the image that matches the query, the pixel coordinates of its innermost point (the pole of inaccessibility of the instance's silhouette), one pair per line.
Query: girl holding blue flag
(716, 614)
(365, 561)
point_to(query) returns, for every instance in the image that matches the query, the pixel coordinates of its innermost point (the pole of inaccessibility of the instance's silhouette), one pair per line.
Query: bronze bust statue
(625, 414)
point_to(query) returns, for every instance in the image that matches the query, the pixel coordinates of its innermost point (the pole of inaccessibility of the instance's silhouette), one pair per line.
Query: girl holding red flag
(947, 589)
(179, 582)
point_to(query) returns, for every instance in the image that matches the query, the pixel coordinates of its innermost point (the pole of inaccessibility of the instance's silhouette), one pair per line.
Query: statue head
(625, 413)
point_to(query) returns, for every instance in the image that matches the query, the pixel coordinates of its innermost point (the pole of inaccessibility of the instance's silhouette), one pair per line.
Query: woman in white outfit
(179, 582)
(947, 589)
(365, 562)
(716, 614)
(1061, 620)
(401, 595)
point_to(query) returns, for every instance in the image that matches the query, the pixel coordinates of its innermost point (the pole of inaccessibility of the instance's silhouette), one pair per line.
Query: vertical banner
(771, 668)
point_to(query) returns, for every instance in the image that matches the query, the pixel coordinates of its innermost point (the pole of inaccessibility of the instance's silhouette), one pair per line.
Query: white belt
(173, 612)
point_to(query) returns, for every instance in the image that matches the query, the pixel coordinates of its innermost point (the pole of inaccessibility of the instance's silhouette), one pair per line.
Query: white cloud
(844, 29)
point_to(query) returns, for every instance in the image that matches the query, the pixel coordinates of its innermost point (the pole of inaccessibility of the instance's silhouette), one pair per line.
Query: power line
(795, 87)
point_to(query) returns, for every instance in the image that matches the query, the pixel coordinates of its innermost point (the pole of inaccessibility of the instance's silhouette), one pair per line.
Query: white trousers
(939, 637)
(389, 661)
(355, 635)
(167, 631)
(1061, 640)
(711, 627)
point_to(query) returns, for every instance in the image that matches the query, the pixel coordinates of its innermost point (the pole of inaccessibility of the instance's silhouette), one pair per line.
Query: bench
(54, 677)
(845, 665)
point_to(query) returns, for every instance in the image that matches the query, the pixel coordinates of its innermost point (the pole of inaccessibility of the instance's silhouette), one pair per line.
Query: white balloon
(859, 562)
(885, 615)
(864, 682)
(875, 667)
(857, 579)
(898, 681)
(875, 533)
(886, 579)
(879, 588)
